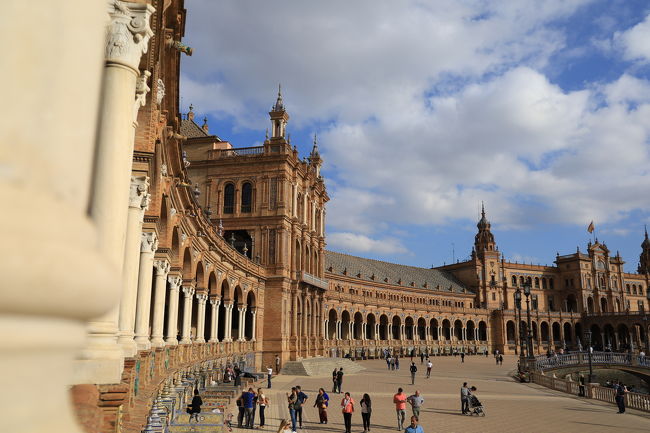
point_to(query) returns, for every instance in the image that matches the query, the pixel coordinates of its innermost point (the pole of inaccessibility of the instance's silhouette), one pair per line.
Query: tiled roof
(392, 273)
(190, 129)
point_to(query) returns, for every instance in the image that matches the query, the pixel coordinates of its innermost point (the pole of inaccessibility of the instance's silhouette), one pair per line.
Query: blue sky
(541, 109)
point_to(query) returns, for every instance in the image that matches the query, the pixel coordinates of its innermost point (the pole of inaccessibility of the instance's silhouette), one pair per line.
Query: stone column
(127, 38)
(441, 335)
(294, 310)
(427, 330)
(414, 332)
(201, 298)
(227, 333)
(254, 324)
(242, 317)
(186, 337)
(214, 319)
(162, 269)
(148, 246)
(377, 331)
(325, 328)
(338, 330)
(402, 333)
(175, 282)
(54, 276)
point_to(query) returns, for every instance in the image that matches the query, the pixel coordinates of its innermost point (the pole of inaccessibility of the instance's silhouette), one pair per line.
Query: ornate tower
(484, 239)
(644, 258)
(279, 118)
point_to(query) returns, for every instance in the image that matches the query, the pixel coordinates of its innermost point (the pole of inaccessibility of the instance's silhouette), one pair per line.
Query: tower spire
(279, 117)
(279, 104)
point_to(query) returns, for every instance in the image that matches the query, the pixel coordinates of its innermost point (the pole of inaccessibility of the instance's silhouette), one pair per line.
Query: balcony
(230, 153)
(313, 280)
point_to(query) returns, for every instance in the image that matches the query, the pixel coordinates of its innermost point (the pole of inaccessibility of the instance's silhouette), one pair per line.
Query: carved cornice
(128, 33)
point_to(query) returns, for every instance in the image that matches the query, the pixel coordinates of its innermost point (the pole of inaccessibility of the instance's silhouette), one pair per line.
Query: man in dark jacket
(195, 406)
(414, 370)
(339, 379)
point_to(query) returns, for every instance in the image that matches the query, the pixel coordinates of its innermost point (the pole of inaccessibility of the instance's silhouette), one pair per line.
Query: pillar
(242, 325)
(294, 310)
(186, 338)
(162, 269)
(214, 319)
(201, 299)
(175, 282)
(338, 330)
(51, 68)
(253, 324)
(414, 333)
(227, 333)
(148, 246)
(123, 87)
(402, 328)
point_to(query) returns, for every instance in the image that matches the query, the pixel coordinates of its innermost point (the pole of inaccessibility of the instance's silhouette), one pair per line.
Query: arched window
(536, 282)
(246, 197)
(514, 281)
(229, 198)
(550, 283)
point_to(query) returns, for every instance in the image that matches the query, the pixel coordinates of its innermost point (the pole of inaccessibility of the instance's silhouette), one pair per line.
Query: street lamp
(590, 378)
(527, 286)
(521, 338)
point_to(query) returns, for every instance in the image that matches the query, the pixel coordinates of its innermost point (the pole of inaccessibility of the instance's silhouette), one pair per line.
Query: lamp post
(529, 337)
(521, 339)
(590, 378)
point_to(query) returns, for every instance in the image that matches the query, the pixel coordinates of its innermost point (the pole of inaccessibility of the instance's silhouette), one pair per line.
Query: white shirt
(429, 364)
(269, 370)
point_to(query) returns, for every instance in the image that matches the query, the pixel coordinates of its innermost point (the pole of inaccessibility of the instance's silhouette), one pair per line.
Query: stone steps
(320, 367)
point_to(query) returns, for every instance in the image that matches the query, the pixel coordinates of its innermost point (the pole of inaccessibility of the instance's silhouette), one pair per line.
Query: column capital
(202, 297)
(141, 90)
(162, 267)
(175, 281)
(188, 291)
(241, 309)
(148, 242)
(128, 33)
(138, 196)
(215, 301)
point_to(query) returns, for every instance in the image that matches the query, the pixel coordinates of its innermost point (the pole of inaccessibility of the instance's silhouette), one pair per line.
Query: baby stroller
(475, 406)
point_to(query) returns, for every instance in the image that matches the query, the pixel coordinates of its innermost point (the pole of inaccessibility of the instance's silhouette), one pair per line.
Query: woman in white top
(262, 401)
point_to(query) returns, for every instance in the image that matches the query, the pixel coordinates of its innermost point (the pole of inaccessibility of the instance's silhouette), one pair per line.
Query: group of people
(247, 405)
(466, 397)
(401, 400)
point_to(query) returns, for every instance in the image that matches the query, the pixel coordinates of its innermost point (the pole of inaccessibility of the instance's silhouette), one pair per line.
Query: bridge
(578, 361)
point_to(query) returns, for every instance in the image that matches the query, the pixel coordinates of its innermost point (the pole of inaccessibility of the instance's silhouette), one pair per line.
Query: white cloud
(363, 244)
(634, 41)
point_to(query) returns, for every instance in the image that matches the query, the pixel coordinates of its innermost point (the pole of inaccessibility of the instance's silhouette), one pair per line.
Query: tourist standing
(262, 401)
(462, 357)
(339, 379)
(421, 358)
(195, 406)
(501, 359)
(429, 366)
(277, 364)
(248, 400)
(301, 399)
(464, 398)
(413, 369)
(414, 427)
(400, 405)
(334, 380)
(366, 411)
(322, 401)
(269, 373)
(291, 400)
(251, 421)
(416, 402)
(347, 407)
(237, 372)
(397, 362)
(620, 391)
(388, 362)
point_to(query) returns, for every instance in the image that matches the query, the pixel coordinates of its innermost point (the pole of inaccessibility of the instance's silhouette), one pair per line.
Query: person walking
(269, 373)
(501, 359)
(291, 400)
(619, 397)
(195, 407)
(429, 366)
(277, 364)
(416, 402)
(366, 411)
(334, 380)
(462, 357)
(414, 427)
(263, 402)
(301, 399)
(322, 401)
(464, 399)
(421, 358)
(388, 362)
(397, 362)
(339, 379)
(414, 369)
(400, 405)
(347, 407)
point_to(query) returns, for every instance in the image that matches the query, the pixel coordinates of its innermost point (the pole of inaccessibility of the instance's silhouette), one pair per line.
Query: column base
(157, 341)
(199, 340)
(142, 343)
(171, 342)
(185, 341)
(128, 345)
(97, 371)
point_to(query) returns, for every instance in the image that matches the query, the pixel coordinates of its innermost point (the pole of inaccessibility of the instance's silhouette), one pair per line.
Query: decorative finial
(482, 209)
(190, 115)
(315, 140)
(232, 239)
(267, 133)
(205, 125)
(245, 248)
(220, 227)
(279, 105)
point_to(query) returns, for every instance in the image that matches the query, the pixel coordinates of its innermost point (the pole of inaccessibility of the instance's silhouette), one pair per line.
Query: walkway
(511, 407)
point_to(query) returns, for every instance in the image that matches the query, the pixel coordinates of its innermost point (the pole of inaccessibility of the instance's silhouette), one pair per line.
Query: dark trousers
(338, 385)
(347, 419)
(620, 402)
(366, 421)
(262, 419)
(299, 416)
(268, 381)
(240, 416)
(464, 405)
(412, 378)
(322, 415)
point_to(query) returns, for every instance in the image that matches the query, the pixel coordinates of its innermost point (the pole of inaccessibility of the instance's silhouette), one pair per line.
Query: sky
(425, 109)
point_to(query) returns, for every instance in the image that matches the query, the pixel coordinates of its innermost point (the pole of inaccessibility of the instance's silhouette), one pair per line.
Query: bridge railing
(633, 400)
(597, 358)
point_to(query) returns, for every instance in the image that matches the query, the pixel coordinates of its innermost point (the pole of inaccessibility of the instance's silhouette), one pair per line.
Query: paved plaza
(511, 407)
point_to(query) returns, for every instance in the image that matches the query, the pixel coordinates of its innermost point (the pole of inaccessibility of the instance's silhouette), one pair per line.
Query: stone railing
(633, 400)
(241, 151)
(597, 358)
(314, 280)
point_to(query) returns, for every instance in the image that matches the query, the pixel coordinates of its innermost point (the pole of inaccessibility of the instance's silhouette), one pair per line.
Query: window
(543, 283)
(550, 284)
(640, 289)
(514, 281)
(229, 198)
(272, 246)
(634, 289)
(494, 296)
(536, 283)
(627, 288)
(273, 193)
(246, 197)
(551, 305)
(641, 305)
(534, 302)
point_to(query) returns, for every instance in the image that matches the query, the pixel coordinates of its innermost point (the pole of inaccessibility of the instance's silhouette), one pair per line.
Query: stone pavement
(511, 407)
